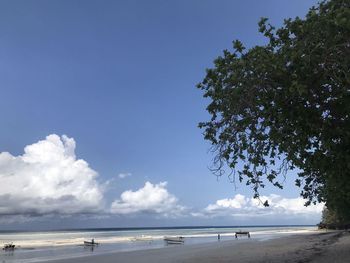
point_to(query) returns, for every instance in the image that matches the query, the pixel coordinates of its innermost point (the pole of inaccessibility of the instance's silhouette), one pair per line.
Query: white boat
(174, 240)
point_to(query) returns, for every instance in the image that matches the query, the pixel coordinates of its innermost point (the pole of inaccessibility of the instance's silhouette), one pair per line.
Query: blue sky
(119, 78)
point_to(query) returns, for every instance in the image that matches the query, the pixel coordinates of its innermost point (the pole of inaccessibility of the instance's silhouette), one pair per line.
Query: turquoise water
(48, 245)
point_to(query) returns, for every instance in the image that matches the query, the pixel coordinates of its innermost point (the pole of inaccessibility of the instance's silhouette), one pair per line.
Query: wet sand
(332, 246)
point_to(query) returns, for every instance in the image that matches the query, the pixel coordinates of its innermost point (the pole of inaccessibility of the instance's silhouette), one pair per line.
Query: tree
(328, 218)
(286, 105)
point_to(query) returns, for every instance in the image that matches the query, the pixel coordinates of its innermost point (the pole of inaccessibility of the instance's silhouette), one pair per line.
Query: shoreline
(53, 240)
(294, 248)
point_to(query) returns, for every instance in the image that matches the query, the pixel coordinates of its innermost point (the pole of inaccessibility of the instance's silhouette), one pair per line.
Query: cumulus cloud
(150, 199)
(48, 179)
(240, 205)
(124, 175)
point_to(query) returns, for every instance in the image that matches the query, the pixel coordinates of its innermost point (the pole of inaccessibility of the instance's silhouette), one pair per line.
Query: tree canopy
(286, 105)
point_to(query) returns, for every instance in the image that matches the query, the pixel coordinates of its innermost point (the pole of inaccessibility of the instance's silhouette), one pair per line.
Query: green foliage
(331, 220)
(286, 105)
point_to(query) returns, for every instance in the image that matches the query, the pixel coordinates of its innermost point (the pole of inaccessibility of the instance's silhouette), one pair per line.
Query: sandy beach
(332, 246)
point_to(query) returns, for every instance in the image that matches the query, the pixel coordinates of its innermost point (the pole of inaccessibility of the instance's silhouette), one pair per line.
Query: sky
(99, 112)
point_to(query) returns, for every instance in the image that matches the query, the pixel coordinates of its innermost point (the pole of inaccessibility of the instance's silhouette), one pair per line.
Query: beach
(41, 246)
(322, 246)
(201, 244)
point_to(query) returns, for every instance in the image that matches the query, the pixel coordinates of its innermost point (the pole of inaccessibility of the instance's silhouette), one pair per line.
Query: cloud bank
(150, 199)
(48, 178)
(241, 206)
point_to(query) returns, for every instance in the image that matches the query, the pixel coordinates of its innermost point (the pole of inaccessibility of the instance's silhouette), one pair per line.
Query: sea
(39, 246)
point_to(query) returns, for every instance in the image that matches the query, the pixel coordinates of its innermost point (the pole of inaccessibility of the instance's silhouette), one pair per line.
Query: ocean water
(48, 245)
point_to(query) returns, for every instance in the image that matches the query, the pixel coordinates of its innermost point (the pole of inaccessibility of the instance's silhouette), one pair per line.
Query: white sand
(300, 248)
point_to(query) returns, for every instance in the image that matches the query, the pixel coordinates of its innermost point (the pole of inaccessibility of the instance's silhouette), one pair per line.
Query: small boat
(174, 240)
(91, 243)
(9, 246)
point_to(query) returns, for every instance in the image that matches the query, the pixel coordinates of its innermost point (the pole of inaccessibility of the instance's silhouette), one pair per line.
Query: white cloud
(240, 205)
(48, 179)
(124, 175)
(237, 202)
(152, 199)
